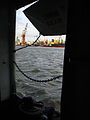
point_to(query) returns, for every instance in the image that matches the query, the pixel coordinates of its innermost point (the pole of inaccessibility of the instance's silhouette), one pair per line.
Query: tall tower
(24, 35)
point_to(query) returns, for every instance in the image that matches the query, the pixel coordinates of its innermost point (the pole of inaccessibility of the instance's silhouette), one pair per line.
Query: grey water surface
(40, 63)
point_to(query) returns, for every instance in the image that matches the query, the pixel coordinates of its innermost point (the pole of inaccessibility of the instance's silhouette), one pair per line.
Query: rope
(28, 45)
(51, 79)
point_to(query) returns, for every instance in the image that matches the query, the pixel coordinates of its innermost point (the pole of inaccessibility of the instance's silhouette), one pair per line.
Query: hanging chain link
(28, 45)
(51, 79)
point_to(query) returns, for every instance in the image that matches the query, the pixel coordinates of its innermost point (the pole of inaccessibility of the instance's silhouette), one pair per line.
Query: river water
(40, 63)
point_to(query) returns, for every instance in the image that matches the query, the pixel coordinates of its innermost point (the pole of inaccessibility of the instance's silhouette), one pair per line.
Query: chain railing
(28, 45)
(32, 79)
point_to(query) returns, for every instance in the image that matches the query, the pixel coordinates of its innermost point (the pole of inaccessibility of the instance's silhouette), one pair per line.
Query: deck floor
(10, 109)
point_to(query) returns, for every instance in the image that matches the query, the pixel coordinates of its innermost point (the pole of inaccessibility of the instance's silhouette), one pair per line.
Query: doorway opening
(39, 66)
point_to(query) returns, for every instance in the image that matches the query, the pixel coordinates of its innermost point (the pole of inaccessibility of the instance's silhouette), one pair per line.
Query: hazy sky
(32, 33)
(21, 21)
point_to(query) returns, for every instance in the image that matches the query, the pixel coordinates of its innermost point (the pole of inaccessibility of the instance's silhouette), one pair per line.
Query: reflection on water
(40, 63)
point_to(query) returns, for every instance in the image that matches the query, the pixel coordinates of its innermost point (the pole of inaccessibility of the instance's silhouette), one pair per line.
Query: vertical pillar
(75, 101)
(7, 25)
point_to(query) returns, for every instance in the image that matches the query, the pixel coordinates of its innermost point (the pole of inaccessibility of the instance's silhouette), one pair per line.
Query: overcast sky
(32, 33)
(21, 21)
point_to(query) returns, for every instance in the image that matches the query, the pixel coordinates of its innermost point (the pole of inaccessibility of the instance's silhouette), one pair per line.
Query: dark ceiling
(48, 16)
(21, 3)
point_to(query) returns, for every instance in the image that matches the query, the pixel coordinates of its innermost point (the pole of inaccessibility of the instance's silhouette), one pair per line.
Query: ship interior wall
(76, 90)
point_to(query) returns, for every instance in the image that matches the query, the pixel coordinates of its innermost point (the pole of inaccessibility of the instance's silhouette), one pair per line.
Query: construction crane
(24, 35)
